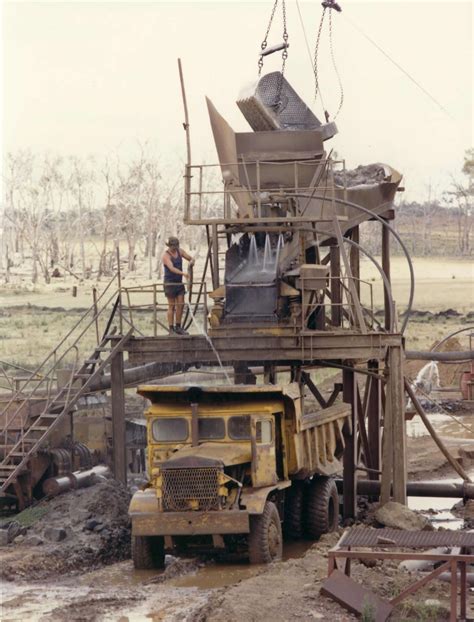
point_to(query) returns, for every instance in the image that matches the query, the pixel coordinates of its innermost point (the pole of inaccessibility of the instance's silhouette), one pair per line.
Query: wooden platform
(254, 345)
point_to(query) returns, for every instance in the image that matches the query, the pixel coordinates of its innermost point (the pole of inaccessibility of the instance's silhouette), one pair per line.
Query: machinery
(230, 467)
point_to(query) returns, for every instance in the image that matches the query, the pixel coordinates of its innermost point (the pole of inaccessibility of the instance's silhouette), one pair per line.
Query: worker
(174, 288)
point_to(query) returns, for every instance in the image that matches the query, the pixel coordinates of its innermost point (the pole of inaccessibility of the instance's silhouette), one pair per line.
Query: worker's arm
(187, 257)
(169, 264)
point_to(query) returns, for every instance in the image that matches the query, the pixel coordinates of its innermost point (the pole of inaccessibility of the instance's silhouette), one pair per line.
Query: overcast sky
(93, 77)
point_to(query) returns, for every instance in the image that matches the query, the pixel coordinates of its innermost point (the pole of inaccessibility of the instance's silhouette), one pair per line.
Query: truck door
(263, 451)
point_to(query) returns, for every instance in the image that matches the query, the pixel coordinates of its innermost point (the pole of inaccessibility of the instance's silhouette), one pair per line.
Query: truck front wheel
(322, 507)
(265, 537)
(148, 552)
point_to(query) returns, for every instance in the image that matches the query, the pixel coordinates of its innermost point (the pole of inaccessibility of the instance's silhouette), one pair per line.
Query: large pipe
(82, 479)
(135, 375)
(456, 490)
(418, 355)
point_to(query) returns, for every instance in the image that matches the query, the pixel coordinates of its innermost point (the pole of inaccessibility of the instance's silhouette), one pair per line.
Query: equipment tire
(322, 508)
(265, 538)
(148, 552)
(293, 523)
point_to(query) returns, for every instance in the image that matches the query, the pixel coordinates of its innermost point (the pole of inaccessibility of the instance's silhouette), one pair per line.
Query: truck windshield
(239, 428)
(211, 428)
(170, 429)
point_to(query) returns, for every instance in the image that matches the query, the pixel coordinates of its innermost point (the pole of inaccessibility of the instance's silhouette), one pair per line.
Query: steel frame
(449, 562)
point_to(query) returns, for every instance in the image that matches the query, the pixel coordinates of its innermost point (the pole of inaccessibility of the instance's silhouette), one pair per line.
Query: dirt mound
(79, 529)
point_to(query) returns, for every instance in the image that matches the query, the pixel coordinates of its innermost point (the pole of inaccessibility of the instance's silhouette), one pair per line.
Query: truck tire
(148, 552)
(322, 507)
(265, 537)
(293, 523)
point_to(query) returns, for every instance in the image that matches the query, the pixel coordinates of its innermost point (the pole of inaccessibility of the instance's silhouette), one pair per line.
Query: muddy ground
(89, 576)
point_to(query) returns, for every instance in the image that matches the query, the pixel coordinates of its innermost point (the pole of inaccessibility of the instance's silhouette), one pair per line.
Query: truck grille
(182, 486)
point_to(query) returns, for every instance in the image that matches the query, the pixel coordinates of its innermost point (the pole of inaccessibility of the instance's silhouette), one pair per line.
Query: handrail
(47, 376)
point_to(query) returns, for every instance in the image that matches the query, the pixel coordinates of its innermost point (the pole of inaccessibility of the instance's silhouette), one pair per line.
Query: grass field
(33, 322)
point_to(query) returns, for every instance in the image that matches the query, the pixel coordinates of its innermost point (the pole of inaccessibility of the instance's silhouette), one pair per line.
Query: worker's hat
(172, 241)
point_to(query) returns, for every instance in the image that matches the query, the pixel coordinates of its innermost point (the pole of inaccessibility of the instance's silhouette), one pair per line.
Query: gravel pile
(80, 529)
(362, 175)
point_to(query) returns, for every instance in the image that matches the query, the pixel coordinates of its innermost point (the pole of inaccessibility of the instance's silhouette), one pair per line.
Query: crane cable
(284, 46)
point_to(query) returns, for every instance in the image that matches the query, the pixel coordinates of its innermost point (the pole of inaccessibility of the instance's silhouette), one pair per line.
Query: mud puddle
(119, 592)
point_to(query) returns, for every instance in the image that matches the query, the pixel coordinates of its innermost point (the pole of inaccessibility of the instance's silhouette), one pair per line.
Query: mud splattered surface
(97, 531)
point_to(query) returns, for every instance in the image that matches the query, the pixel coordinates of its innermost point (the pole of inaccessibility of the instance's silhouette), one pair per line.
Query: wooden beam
(313, 388)
(397, 397)
(215, 257)
(350, 450)
(374, 410)
(386, 269)
(335, 286)
(355, 258)
(118, 418)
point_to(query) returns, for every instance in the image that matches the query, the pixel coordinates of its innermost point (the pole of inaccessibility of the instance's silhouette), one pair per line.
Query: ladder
(55, 409)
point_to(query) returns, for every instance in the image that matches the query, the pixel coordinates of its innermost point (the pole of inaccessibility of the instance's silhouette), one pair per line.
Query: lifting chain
(327, 4)
(284, 54)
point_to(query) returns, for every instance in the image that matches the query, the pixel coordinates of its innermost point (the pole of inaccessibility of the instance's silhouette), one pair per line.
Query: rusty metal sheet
(360, 536)
(190, 523)
(354, 597)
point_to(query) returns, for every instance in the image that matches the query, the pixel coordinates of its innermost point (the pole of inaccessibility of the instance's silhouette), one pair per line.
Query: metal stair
(31, 438)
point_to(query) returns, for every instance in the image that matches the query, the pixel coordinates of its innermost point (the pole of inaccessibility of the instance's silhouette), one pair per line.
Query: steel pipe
(456, 490)
(461, 356)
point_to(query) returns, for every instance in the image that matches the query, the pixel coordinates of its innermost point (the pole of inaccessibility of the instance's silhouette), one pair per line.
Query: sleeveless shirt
(172, 277)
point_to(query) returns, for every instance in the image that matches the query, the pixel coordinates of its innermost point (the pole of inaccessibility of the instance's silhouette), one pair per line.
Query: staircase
(21, 436)
(56, 408)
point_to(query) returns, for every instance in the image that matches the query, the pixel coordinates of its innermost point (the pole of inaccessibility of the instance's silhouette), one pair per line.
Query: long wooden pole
(442, 447)
(187, 176)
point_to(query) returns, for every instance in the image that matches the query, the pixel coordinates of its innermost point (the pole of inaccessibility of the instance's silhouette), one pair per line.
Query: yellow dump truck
(234, 468)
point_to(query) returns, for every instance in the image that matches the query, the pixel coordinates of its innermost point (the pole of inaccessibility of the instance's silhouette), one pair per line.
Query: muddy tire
(321, 508)
(293, 523)
(148, 552)
(265, 537)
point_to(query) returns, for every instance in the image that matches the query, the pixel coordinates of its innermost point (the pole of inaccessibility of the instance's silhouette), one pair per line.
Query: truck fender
(254, 499)
(144, 502)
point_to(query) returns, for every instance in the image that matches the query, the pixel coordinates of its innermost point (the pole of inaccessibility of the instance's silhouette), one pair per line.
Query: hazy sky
(93, 77)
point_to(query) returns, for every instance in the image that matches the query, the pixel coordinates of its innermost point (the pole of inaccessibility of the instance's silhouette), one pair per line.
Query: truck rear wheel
(293, 523)
(148, 552)
(265, 537)
(322, 507)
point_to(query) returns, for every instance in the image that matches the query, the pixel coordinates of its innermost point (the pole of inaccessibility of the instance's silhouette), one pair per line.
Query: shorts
(173, 290)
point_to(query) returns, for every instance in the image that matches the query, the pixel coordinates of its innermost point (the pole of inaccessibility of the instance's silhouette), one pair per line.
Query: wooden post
(374, 409)
(386, 269)
(269, 373)
(355, 259)
(350, 450)
(215, 257)
(397, 398)
(336, 294)
(118, 418)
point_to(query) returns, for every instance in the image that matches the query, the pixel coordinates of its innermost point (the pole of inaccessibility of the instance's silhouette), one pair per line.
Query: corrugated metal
(360, 536)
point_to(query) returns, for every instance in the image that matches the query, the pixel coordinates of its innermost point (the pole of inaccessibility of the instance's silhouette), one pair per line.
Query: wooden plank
(335, 286)
(386, 269)
(354, 597)
(397, 397)
(118, 418)
(350, 450)
(387, 449)
(374, 409)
